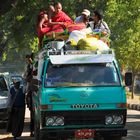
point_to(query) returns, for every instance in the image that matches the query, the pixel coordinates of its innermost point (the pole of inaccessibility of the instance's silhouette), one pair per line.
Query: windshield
(104, 74)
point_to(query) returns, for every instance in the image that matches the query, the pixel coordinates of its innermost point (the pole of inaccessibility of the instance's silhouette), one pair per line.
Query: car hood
(103, 97)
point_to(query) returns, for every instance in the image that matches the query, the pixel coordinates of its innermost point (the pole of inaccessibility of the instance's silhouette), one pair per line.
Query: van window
(3, 86)
(82, 75)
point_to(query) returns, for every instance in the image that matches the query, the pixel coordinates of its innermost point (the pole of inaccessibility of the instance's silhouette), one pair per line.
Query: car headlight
(114, 119)
(108, 120)
(54, 121)
(59, 121)
(118, 119)
(49, 121)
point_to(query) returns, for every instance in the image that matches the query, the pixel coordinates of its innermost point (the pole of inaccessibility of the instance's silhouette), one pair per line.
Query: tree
(125, 28)
(18, 26)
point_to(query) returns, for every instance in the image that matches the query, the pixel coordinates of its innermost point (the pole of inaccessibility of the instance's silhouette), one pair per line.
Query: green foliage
(18, 26)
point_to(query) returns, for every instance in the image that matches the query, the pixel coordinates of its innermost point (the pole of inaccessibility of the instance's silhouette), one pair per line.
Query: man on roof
(83, 18)
(51, 12)
(42, 25)
(98, 23)
(60, 19)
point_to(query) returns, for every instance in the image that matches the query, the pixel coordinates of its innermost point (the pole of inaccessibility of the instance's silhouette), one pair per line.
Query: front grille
(84, 117)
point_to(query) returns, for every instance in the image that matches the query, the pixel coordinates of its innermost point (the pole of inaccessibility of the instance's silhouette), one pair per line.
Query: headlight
(59, 121)
(49, 121)
(108, 120)
(113, 119)
(54, 121)
(118, 119)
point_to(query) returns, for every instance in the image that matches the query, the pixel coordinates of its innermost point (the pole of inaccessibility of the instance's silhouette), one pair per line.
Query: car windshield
(104, 74)
(3, 86)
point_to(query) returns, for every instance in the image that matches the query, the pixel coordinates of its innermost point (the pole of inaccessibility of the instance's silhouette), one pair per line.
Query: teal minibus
(80, 95)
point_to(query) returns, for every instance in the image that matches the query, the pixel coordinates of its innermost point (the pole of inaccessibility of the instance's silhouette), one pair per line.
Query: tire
(113, 138)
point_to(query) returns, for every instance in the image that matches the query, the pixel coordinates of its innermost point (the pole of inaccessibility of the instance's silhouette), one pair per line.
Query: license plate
(84, 133)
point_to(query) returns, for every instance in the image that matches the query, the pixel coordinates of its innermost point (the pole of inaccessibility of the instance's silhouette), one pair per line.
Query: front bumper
(103, 132)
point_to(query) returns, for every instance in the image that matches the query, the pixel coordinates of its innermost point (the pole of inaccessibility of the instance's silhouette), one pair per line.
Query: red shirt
(61, 17)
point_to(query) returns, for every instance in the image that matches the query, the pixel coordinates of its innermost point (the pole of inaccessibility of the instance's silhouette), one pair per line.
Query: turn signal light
(46, 107)
(122, 105)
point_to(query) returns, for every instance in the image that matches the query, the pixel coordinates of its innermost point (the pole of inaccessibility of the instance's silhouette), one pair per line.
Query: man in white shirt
(98, 23)
(83, 18)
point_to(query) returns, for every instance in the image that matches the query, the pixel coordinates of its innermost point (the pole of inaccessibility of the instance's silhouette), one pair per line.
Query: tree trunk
(133, 81)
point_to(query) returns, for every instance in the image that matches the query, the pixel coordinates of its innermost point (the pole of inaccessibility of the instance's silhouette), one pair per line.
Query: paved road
(133, 125)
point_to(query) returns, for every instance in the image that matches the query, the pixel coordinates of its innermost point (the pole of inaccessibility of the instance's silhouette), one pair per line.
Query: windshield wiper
(66, 85)
(74, 85)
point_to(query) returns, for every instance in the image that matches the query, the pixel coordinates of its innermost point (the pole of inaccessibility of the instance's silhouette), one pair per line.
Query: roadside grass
(135, 100)
(136, 95)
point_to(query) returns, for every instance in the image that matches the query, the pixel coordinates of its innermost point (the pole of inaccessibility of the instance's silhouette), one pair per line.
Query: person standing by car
(17, 113)
(28, 77)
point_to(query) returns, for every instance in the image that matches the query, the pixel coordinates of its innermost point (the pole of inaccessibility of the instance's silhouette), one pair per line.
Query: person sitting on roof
(42, 20)
(51, 12)
(83, 18)
(60, 19)
(42, 26)
(98, 23)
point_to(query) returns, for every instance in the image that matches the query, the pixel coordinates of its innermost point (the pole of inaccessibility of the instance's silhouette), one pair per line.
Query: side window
(3, 85)
(43, 69)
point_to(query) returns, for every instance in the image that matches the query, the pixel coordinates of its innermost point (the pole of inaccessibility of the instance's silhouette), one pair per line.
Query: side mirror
(128, 78)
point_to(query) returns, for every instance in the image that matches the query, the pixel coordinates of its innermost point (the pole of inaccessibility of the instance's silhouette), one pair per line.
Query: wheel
(113, 138)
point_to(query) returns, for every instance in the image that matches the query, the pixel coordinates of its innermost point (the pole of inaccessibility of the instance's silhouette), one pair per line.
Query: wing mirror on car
(128, 78)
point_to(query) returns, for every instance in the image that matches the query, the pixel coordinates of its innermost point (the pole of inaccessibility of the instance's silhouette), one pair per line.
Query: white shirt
(79, 19)
(102, 25)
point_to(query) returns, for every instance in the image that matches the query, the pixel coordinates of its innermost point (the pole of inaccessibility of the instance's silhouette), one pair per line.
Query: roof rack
(47, 52)
(80, 52)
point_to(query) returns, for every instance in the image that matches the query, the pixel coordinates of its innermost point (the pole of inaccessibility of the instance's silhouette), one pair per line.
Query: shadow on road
(7, 136)
(133, 126)
(21, 138)
(134, 116)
